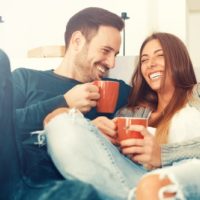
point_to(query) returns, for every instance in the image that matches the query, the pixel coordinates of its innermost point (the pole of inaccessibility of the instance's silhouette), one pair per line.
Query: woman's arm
(178, 151)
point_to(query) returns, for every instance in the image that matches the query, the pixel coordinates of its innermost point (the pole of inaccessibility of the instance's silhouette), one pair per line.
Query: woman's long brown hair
(178, 62)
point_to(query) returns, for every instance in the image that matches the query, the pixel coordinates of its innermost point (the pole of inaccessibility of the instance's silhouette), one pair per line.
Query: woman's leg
(178, 182)
(154, 185)
(78, 148)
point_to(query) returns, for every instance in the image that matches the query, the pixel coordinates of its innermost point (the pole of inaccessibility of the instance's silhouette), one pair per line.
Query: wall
(30, 24)
(194, 33)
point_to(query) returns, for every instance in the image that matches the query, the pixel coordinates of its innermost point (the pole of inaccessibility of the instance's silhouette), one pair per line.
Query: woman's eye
(144, 60)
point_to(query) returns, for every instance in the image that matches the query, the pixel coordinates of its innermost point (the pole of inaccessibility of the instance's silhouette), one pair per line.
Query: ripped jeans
(78, 148)
(184, 176)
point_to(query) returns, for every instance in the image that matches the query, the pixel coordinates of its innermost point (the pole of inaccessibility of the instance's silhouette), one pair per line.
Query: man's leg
(9, 164)
(57, 190)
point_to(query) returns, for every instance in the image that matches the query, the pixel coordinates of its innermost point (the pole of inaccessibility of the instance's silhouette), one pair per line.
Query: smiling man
(92, 40)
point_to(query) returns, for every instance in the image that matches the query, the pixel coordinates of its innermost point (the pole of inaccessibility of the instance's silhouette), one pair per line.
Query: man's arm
(32, 105)
(178, 151)
(33, 101)
(30, 118)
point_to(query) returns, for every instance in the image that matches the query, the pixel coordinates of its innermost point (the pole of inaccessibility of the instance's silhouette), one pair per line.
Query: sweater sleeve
(178, 151)
(29, 116)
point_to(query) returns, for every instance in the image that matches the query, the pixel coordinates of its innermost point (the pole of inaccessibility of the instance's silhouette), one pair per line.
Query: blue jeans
(77, 147)
(184, 176)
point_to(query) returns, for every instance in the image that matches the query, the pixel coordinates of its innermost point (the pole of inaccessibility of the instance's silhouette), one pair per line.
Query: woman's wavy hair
(178, 63)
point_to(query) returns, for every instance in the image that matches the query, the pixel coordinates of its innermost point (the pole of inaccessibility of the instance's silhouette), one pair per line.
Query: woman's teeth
(155, 75)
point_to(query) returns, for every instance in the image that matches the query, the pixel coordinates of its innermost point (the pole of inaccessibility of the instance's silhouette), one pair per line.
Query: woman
(165, 84)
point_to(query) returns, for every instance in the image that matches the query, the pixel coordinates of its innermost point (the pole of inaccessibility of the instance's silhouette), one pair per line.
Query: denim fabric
(77, 147)
(56, 190)
(185, 178)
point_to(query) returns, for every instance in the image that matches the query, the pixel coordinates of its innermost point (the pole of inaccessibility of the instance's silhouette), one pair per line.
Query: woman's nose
(151, 63)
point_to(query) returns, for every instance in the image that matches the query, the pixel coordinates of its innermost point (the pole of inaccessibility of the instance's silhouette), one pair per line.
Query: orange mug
(109, 91)
(123, 124)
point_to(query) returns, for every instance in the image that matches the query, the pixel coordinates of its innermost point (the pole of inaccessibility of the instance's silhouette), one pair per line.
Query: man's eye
(106, 50)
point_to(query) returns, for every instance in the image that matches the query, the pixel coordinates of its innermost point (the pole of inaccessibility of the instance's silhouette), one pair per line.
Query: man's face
(98, 56)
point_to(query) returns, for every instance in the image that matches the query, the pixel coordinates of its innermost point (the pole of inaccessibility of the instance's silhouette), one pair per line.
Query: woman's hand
(107, 127)
(145, 151)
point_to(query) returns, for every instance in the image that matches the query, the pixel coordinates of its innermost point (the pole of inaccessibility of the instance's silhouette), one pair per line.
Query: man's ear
(77, 40)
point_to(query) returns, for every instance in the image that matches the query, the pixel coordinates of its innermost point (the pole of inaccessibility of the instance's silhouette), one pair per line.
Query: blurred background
(26, 24)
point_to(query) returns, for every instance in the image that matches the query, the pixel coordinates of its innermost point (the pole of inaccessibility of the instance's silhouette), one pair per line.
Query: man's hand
(145, 151)
(107, 127)
(82, 97)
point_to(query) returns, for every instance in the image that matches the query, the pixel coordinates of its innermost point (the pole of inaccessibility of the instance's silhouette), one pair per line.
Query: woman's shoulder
(137, 111)
(195, 100)
(196, 88)
(196, 91)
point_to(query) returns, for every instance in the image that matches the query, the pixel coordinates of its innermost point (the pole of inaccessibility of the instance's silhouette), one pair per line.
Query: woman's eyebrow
(156, 51)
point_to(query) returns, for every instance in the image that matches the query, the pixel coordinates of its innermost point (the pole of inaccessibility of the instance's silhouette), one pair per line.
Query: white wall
(172, 17)
(39, 22)
(194, 40)
(30, 24)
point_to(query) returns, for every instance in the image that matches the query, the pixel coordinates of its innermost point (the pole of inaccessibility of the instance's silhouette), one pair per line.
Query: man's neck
(65, 68)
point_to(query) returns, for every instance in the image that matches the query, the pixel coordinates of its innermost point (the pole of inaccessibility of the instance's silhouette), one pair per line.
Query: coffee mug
(109, 91)
(123, 124)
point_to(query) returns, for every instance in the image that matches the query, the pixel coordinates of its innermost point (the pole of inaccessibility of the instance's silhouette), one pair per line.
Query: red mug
(123, 124)
(109, 91)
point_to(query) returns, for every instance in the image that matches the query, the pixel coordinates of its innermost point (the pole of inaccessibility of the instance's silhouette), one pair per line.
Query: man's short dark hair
(88, 21)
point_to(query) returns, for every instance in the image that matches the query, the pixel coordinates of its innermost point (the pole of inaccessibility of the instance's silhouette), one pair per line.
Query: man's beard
(81, 63)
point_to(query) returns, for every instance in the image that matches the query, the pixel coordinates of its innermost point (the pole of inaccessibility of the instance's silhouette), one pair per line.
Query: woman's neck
(164, 98)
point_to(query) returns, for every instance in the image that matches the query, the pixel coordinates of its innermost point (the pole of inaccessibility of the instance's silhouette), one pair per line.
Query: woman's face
(153, 66)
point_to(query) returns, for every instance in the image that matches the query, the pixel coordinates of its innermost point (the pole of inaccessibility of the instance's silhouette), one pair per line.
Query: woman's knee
(149, 187)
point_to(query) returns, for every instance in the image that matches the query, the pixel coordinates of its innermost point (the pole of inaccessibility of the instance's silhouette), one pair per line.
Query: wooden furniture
(47, 51)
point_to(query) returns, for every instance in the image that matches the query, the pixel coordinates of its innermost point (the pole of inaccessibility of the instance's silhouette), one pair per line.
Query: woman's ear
(77, 40)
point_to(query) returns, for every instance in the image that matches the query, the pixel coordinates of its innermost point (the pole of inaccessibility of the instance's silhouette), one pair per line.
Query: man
(13, 184)
(92, 41)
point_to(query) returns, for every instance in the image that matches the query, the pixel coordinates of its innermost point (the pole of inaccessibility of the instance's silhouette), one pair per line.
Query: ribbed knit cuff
(179, 151)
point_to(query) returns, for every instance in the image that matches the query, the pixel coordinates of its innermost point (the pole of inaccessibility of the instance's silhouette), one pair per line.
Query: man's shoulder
(25, 72)
(28, 70)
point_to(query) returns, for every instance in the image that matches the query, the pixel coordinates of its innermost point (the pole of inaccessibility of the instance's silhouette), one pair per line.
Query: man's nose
(110, 61)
